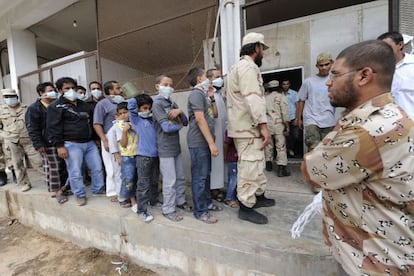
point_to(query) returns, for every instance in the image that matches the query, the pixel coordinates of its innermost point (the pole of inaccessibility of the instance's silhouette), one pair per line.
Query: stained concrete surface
(190, 247)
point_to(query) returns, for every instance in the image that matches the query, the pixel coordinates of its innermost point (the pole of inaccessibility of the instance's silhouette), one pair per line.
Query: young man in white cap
(16, 138)
(247, 125)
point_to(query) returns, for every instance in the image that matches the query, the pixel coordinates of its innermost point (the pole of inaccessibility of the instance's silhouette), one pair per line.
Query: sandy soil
(23, 251)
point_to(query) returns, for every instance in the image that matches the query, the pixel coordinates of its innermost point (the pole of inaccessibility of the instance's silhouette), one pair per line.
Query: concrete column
(230, 33)
(21, 46)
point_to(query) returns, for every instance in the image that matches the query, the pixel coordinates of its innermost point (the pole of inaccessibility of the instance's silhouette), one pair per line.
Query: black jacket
(35, 118)
(69, 122)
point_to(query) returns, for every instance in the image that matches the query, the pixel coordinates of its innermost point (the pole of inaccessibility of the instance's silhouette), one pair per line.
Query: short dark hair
(109, 85)
(395, 36)
(371, 53)
(80, 87)
(143, 99)
(209, 72)
(159, 78)
(41, 87)
(249, 49)
(193, 74)
(120, 106)
(95, 82)
(59, 83)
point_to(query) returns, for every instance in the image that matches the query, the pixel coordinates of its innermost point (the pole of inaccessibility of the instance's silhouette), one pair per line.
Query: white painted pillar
(21, 46)
(230, 33)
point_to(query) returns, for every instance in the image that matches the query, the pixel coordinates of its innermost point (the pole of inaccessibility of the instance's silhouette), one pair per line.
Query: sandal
(231, 203)
(214, 208)
(173, 216)
(185, 207)
(61, 198)
(113, 198)
(208, 218)
(217, 195)
(125, 203)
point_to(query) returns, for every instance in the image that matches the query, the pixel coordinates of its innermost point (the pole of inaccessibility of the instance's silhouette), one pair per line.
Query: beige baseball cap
(8, 92)
(254, 38)
(273, 83)
(323, 56)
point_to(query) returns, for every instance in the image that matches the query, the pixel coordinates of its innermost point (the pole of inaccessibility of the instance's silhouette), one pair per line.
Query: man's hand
(213, 149)
(62, 152)
(264, 132)
(118, 158)
(42, 150)
(106, 145)
(298, 123)
(174, 113)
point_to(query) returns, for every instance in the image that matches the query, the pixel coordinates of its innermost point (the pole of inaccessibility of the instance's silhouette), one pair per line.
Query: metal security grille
(407, 19)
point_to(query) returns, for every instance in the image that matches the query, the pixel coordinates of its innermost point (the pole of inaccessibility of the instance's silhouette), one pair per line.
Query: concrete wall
(299, 41)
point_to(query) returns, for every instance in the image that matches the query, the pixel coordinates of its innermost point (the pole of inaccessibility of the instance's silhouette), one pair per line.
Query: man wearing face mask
(54, 167)
(95, 89)
(16, 138)
(247, 125)
(103, 116)
(69, 125)
(217, 164)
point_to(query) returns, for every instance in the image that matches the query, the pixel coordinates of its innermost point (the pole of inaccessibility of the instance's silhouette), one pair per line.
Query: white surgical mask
(51, 95)
(165, 91)
(82, 97)
(218, 83)
(11, 101)
(147, 114)
(71, 95)
(96, 93)
(118, 99)
(205, 84)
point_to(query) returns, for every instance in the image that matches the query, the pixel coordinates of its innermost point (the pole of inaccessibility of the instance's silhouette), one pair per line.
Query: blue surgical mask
(165, 91)
(71, 95)
(82, 97)
(218, 83)
(11, 101)
(146, 114)
(97, 94)
(205, 84)
(51, 95)
(118, 99)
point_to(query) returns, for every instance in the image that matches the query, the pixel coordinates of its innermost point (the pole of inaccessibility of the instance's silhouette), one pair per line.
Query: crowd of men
(363, 163)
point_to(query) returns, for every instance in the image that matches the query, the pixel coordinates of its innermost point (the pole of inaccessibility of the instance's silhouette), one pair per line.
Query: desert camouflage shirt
(12, 123)
(245, 99)
(366, 167)
(277, 110)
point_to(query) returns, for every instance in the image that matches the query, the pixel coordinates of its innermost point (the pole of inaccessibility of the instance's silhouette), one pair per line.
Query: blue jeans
(148, 170)
(87, 153)
(200, 179)
(232, 180)
(129, 177)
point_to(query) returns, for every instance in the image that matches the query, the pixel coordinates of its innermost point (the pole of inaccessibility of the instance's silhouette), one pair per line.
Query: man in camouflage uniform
(247, 125)
(14, 132)
(365, 167)
(278, 123)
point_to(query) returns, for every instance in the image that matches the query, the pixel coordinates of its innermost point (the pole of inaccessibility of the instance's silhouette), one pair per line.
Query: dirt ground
(23, 251)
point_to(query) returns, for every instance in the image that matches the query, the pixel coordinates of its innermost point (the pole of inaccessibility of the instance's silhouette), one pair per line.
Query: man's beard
(348, 97)
(258, 60)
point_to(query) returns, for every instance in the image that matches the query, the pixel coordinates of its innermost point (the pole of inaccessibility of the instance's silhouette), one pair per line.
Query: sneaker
(134, 208)
(26, 187)
(146, 216)
(81, 201)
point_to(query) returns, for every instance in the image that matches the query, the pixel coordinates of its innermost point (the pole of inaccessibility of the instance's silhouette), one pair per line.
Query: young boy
(169, 119)
(147, 159)
(231, 156)
(201, 144)
(122, 143)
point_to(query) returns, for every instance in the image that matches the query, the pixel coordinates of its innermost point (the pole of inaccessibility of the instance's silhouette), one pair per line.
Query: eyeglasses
(332, 76)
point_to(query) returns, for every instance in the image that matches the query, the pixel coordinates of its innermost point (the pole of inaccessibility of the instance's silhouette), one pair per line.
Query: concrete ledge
(230, 247)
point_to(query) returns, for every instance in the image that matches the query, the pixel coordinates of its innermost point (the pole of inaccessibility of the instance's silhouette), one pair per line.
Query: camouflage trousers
(251, 180)
(18, 152)
(315, 134)
(280, 143)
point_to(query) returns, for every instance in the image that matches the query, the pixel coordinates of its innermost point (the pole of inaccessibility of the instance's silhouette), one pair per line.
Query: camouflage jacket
(277, 110)
(365, 167)
(12, 123)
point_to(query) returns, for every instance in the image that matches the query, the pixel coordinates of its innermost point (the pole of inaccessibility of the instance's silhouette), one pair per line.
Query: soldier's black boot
(282, 171)
(269, 166)
(262, 201)
(14, 176)
(251, 215)
(3, 178)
